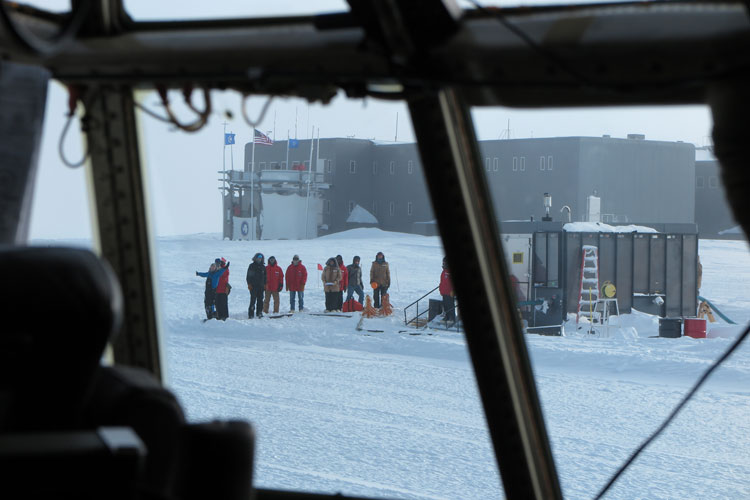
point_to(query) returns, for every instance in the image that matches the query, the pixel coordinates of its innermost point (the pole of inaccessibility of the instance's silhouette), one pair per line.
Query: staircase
(588, 292)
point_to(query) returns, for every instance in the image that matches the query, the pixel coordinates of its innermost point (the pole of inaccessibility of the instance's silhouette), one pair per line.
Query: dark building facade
(712, 212)
(637, 180)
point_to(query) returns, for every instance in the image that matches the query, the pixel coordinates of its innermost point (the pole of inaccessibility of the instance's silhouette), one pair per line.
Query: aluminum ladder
(588, 291)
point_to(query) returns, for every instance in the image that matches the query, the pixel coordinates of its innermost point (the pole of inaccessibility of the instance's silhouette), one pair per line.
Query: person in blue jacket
(212, 281)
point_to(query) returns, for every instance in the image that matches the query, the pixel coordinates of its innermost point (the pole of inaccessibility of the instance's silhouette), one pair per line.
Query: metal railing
(415, 320)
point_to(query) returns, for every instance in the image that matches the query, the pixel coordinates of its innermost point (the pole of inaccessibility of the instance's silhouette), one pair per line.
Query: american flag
(261, 138)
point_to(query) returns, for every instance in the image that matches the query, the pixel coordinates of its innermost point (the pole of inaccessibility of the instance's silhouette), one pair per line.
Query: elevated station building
(637, 181)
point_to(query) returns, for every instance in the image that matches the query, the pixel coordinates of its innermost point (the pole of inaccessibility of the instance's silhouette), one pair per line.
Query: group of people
(338, 277)
(265, 283)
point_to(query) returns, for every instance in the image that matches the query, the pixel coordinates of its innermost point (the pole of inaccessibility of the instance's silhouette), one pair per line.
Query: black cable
(152, 114)
(674, 413)
(41, 45)
(60, 148)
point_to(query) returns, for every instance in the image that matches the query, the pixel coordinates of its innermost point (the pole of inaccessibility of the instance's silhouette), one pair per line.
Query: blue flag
(293, 143)
(228, 139)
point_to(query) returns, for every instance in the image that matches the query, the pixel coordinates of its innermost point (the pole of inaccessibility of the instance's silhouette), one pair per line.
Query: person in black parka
(256, 283)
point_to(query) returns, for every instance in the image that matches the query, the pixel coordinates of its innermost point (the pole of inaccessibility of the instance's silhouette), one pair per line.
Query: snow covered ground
(394, 415)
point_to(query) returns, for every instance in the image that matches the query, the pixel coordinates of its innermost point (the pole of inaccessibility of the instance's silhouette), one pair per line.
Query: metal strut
(445, 133)
(119, 192)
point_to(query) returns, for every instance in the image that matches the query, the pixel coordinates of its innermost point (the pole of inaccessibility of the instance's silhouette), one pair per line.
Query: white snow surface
(393, 415)
(600, 227)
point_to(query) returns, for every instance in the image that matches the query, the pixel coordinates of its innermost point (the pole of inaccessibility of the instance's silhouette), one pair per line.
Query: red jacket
(344, 277)
(296, 277)
(274, 278)
(446, 287)
(223, 280)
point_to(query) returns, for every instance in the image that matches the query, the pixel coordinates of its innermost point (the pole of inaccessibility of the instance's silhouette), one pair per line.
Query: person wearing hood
(446, 291)
(212, 281)
(222, 292)
(256, 283)
(344, 281)
(354, 273)
(274, 284)
(380, 278)
(296, 277)
(331, 277)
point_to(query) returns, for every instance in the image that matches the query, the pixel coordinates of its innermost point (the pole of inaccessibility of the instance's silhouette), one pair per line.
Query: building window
(699, 182)
(549, 163)
(295, 164)
(408, 208)
(351, 206)
(352, 167)
(329, 166)
(283, 165)
(392, 208)
(374, 208)
(374, 168)
(495, 164)
(713, 182)
(523, 163)
(410, 167)
(262, 165)
(487, 164)
(393, 167)
(542, 163)
(327, 206)
(515, 163)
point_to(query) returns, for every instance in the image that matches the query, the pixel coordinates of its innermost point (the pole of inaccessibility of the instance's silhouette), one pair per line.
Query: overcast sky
(183, 178)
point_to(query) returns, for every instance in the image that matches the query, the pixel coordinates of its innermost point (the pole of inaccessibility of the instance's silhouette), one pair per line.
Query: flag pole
(307, 200)
(287, 149)
(252, 189)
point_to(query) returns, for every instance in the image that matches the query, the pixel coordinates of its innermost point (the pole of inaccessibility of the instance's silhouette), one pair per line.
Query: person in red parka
(222, 292)
(446, 290)
(344, 281)
(296, 277)
(274, 284)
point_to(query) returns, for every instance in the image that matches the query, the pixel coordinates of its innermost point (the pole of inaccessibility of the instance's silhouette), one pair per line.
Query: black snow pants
(209, 302)
(222, 306)
(377, 294)
(256, 303)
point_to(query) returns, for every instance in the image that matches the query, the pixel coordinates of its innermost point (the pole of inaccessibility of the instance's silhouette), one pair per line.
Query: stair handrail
(406, 321)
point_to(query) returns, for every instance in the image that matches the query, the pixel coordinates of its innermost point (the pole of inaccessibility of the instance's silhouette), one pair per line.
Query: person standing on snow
(331, 277)
(354, 273)
(274, 284)
(296, 277)
(344, 281)
(380, 278)
(256, 283)
(446, 290)
(212, 281)
(222, 292)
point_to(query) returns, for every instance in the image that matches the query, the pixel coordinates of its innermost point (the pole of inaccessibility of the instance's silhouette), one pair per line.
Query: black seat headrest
(61, 307)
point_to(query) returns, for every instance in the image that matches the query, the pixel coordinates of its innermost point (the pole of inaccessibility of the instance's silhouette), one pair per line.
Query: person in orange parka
(296, 277)
(446, 290)
(344, 281)
(274, 284)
